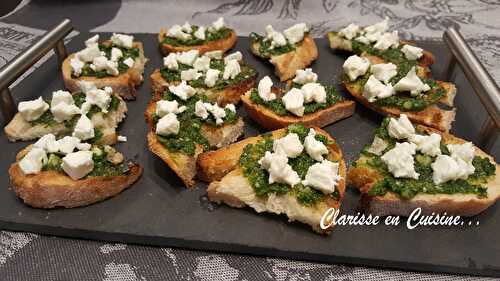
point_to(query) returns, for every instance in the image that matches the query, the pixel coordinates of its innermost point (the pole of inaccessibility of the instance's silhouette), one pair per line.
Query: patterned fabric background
(25, 256)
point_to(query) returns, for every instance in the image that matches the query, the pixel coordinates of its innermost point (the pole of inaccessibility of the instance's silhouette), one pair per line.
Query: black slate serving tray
(159, 210)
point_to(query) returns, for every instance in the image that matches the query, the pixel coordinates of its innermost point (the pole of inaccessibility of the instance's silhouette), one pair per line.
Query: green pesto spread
(277, 105)
(220, 34)
(247, 72)
(407, 188)
(259, 178)
(190, 125)
(265, 49)
(122, 67)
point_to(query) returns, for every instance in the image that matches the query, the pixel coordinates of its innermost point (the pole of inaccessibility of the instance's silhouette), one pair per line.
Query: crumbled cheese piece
(78, 164)
(362, 39)
(374, 89)
(183, 90)
(76, 66)
(84, 128)
(356, 66)
(234, 56)
(67, 144)
(99, 97)
(231, 107)
(32, 110)
(277, 38)
(48, 143)
(200, 110)
(164, 107)
(304, 76)
(202, 63)
(32, 162)
(412, 52)
(129, 62)
(176, 32)
(170, 61)
(295, 33)
(187, 27)
(289, 145)
(265, 89)
(88, 54)
(200, 33)
(214, 54)
(400, 162)
(378, 146)
(349, 31)
(373, 32)
(86, 146)
(122, 138)
(314, 147)
(446, 168)
(211, 77)
(102, 63)
(168, 125)
(63, 106)
(92, 40)
(323, 176)
(122, 40)
(430, 145)
(86, 86)
(188, 57)
(400, 128)
(61, 96)
(314, 92)
(190, 74)
(218, 112)
(218, 24)
(231, 69)
(464, 151)
(412, 83)
(294, 101)
(387, 40)
(116, 54)
(384, 71)
(279, 169)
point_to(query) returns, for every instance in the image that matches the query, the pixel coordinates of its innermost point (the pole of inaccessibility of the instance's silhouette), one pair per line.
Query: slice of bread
(432, 116)
(182, 164)
(363, 178)
(20, 130)
(123, 84)
(228, 95)
(339, 43)
(270, 120)
(51, 189)
(286, 64)
(222, 44)
(230, 186)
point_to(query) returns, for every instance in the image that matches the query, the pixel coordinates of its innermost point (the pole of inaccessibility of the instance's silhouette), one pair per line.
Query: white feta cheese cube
(200, 110)
(33, 161)
(48, 143)
(61, 96)
(211, 77)
(464, 151)
(76, 66)
(129, 62)
(183, 90)
(289, 145)
(362, 39)
(374, 89)
(314, 147)
(387, 40)
(373, 32)
(279, 169)
(265, 89)
(214, 54)
(231, 69)
(88, 54)
(314, 92)
(116, 54)
(202, 63)
(356, 66)
(304, 76)
(412, 52)
(168, 125)
(384, 71)
(412, 83)
(64, 111)
(231, 107)
(400, 128)
(218, 24)
(430, 145)
(176, 32)
(170, 61)
(378, 146)
(294, 101)
(84, 128)
(190, 74)
(78, 164)
(102, 63)
(295, 33)
(86, 146)
(218, 113)
(277, 38)
(349, 31)
(234, 56)
(99, 97)
(187, 27)
(323, 176)
(122, 138)
(67, 144)
(32, 110)
(164, 107)
(200, 33)
(188, 57)
(446, 168)
(400, 162)
(92, 40)
(122, 40)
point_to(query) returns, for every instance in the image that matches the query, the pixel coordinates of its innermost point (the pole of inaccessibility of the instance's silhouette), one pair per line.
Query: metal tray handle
(483, 84)
(53, 39)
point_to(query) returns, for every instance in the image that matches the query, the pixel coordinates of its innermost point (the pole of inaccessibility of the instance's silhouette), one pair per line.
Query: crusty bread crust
(51, 189)
(339, 43)
(19, 129)
(223, 97)
(234, 189)
(268, 119)
(223, 44)
(286, 64)
(432, 116)
(123, 84)
(364, 178)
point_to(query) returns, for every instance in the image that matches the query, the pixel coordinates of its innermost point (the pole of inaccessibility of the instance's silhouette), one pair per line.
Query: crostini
(183, 124)
(376, 40)
(409, 167)
(220, 79)
(306, 102)
(117, 63)
(393, 89)
(99, 110)
(295, 171)
(68, 173)
(217, 37)
(288, 51)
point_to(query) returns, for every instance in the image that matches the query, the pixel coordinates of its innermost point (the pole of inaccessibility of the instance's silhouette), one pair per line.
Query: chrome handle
(483, 84)
(53, 39)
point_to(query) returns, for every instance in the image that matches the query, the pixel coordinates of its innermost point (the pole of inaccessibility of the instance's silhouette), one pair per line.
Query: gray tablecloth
(25, 256)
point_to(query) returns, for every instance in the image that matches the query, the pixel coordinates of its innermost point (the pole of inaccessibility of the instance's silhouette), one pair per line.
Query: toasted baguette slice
(20, 130)
(221, 45)
(286, 64)
(432, 116)
(339, 43)
(268, 119)
(228, 95)
(230, 186)
(51, 189)
(185, 165)
(364, 178)
(123, 84)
